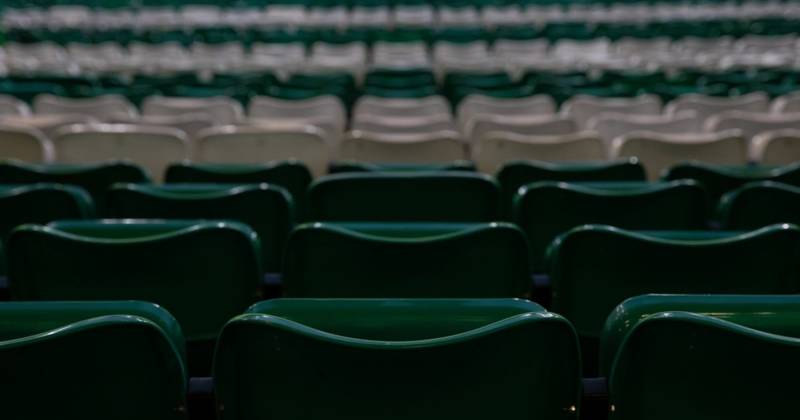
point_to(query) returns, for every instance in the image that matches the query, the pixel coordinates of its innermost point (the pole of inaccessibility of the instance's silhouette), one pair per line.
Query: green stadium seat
(267, 209)
(545, 210)
(292, 176)
(694, 366)
(409, 261)
(595, 268)
(91, 360)
(95, 179)
(351, 166)
(397, 359)
(759, 204)
(428, 197)
(202, 272)
(514, 175)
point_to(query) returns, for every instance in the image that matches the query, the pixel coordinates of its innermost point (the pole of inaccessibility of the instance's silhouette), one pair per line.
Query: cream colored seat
(101, 108)
(548, 125)
(707, 106)
(154, 148)
(789, 103)
(431, 147)
(241, 144)
(405, 125)
(368, 107)
(496, 148)
(582, 108)
(324, 112)
(779, 147)
(752, 123)
(47, 124)
(613, 125)
(25, 144)
(223, 110)
(10, 105)
(476, 105)
(190, 123)
(659, 151)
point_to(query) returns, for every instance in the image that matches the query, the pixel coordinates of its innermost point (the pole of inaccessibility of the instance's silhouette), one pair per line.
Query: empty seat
(41, 203)
(372, 106)
(446, 197)
(779, 147)
(787, 104)
(706, 106)
(582, 108)
(49, 125)
(759, 204)
(516, 174)
(191, 123)
(475, 104)
(610, 126)
(26, 144)
(119, 359)
(222, 110)
(444, 146)
(95, 179)
(392, 359)
(10, 105)
(291, 175)
(752, 123)
(545, 210)
(670, 361)
(154, 148)
(497, 147)
(325, 112)
(249, 145)
(267, 209)
(424, 124)
(102, 108)
(594, 268)
(660, 151)
(524, 125)
(178, 265)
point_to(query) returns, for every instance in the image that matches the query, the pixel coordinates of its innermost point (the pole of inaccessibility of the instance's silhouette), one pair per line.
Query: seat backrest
(41, 203)
(480, 261)
(516, 174)
(534, 354)
(752, 123)
(779, 147)
(94, 179)
(119, 365)
(658, 151)
(267, 209)
(258, 145)
(265, 107)
(754, 311)
(582, 108)
(406, 125)
(102, 108)
(787, 103)
(545, 210)
(25, 144)
(759, 204)
(706, 106)
(482, 125)
(435, 147)
(425, 196)
(496, 148)
(154, 148)
(476, 104)
(584, 267)
(191, 123)
(677, 357)
(223, 110)
(368, 106)
(610, 125)
(10, 105)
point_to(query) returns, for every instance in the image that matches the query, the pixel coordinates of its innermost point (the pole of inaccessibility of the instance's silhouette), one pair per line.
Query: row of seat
(670, 356)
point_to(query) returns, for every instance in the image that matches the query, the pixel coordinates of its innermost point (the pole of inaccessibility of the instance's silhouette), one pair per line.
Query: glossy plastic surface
(412, 197)
(326, 260)
(405, 229)
(41, 203)
(291, 175)
(267, 209)
(679, 365)
(113, 366)
(545, 210)
(769, 313)
(595, 268)
(760, 204)
(268, 366)
(514, 175)
(95, 179)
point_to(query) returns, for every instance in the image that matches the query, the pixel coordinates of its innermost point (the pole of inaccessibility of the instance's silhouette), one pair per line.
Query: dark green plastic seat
(95, 179)
(681, 365)
(429, 197)
(90, 361)
(475, 260)
(759, 204)
(397, 359)
(754, 311)
(204, 273)
(265, 208)
(595, 268)
(545, 210)
(41, 203)
(352, 166)
(514, 175)
(291, 175)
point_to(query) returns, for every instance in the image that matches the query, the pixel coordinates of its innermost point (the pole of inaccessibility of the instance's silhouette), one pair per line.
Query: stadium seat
(325, 112)
(545, 210)
(584, 267)
(786, 104)
(175, 264)
(611, 126)
(498, 147)
(483, 125)
(682, 365)
(25, 144)
(583, 108)
(752, 123)
(9, 105)
(404, 197)
(49, 125)
(122, 359)
(222, 110)
(377, 261)
(476, 104)
(779, 147)
(759, 204)
(109, 108)
(707, 106)
(267, 209)
(423, 124)
(422, 148)
(368, 107)
(392, 359)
